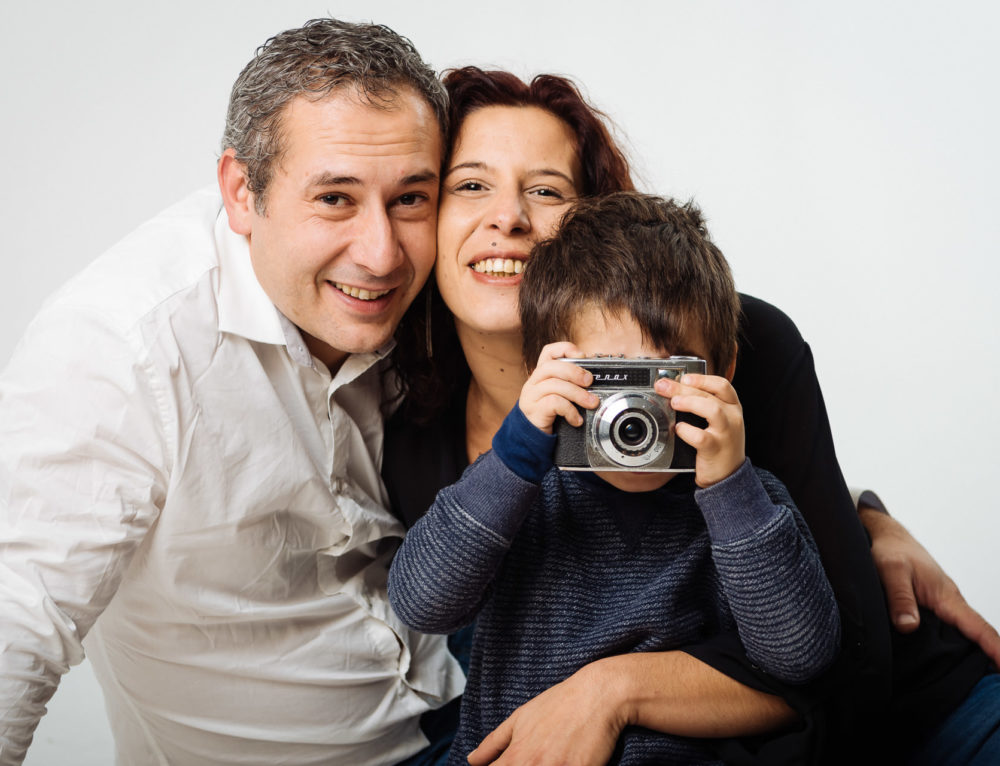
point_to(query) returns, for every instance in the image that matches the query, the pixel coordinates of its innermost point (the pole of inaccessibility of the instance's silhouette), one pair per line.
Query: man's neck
(326, 353)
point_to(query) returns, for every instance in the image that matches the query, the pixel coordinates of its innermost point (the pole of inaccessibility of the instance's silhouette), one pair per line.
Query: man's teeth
(357, 292)
(499, 266)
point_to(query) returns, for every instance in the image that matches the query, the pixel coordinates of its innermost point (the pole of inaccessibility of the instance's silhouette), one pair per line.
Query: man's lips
(360, 293)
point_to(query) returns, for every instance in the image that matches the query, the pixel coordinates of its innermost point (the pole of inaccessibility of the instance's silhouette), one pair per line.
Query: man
(191, 436)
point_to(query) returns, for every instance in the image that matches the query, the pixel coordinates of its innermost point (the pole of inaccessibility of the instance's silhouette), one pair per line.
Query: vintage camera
(632, 429)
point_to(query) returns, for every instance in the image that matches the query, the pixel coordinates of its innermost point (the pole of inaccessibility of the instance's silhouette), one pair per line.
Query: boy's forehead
(599, 330)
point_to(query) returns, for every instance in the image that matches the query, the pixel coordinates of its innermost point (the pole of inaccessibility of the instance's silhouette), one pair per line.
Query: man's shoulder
(164, 255)
(169, 255)
(161, 275)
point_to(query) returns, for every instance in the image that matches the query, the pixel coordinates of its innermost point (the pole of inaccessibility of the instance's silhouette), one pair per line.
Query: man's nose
(377, 248)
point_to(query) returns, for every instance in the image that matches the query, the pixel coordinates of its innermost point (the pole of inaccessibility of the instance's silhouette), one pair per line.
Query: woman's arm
(579, 720)
(910, 575)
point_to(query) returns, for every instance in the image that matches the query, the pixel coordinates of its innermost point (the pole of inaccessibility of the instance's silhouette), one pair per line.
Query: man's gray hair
(313, 60)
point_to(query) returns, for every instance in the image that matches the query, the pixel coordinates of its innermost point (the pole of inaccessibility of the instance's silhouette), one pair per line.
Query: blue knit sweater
(563, 571)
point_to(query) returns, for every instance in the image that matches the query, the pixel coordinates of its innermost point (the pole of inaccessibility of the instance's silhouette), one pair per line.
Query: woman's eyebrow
(467, 166)
(551, 172)
(476, 165)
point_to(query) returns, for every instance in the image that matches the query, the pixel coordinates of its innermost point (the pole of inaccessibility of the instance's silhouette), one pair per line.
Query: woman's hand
(554, 387)
(570, 724)
(910, 575)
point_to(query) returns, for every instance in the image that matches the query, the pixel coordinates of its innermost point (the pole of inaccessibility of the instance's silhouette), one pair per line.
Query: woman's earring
(428, 343)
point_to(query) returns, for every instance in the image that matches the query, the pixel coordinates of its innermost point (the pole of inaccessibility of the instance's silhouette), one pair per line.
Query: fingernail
(906, 619)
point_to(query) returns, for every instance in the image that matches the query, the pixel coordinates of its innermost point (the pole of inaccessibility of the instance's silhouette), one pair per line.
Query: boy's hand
(554, 386)
(720, 445)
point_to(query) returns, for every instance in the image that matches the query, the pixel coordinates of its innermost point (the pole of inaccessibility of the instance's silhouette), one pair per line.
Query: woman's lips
(499, 264)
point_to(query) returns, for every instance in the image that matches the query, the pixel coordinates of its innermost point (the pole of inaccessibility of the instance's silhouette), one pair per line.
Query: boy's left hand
(721, 444)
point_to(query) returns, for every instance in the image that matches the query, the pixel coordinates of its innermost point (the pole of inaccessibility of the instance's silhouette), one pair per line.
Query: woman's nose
(510, 215)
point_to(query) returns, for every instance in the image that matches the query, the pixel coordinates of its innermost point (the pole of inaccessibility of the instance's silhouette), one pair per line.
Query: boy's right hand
(721, 444)
(554, 387)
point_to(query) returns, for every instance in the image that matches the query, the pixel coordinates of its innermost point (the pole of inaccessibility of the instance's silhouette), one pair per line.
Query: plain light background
(845, 155)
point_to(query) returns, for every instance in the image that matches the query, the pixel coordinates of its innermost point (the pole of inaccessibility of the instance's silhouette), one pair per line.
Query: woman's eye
(550, 194)
(473, 186)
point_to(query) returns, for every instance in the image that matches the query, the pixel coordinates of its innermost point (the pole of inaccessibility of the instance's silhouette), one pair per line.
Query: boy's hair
(636, 255)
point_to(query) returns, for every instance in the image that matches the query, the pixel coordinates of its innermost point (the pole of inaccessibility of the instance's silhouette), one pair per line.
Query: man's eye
(333, 199)
(411, 199)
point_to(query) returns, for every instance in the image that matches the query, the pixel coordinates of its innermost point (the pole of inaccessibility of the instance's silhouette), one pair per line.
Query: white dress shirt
(184, 485)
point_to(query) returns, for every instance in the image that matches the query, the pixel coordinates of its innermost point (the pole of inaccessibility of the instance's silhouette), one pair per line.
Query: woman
(520, 156)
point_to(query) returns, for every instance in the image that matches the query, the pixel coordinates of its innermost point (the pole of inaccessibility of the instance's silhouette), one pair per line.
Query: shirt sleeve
(441, 575)
(80, 482)
(771, 575)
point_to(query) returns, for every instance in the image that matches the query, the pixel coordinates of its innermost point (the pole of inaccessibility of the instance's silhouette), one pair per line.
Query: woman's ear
(236, 195)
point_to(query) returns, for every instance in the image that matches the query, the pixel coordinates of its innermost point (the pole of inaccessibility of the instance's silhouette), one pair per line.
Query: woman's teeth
(499, 266)
(357, 292)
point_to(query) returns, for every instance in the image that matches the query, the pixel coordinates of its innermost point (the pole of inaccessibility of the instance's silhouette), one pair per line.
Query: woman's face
(513, 173)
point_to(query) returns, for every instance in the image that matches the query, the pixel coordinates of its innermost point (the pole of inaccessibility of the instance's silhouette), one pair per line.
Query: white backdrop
(845, 155)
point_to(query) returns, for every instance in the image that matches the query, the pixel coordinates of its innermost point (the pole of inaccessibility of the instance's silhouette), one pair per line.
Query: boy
(562, 568)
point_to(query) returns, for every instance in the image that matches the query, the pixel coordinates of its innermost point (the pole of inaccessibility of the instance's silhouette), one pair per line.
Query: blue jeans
(439, 726)
(970, 736)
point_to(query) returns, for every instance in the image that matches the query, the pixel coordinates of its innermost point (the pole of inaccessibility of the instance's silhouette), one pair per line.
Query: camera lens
(632, 431)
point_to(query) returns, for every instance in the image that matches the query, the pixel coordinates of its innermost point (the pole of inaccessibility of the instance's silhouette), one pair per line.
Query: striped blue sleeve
(771, 575)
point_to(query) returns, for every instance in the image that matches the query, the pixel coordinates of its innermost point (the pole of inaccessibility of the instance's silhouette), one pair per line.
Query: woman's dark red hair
(431, 382)
(605, 168)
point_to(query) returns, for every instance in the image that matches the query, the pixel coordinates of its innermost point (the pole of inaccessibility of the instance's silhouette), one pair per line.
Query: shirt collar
(245, 309)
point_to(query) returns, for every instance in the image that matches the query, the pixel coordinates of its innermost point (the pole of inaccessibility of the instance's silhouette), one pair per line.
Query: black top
(884, 682)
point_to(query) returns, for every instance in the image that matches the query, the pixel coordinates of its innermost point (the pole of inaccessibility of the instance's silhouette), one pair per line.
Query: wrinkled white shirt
(182, 483)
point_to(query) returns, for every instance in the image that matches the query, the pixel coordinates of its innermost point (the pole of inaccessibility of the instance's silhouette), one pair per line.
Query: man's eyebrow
(329, 179)
(427, 176)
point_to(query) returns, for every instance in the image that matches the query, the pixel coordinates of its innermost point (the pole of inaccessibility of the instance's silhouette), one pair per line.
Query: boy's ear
(731, 368)
(236, 195)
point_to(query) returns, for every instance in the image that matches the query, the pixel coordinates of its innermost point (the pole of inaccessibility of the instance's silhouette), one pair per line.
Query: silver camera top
(641, 372)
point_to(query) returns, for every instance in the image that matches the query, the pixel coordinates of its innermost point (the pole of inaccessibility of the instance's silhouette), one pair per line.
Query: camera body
(632, 429)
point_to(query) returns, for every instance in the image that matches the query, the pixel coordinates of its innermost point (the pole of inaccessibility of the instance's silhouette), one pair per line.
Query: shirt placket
(367, 590)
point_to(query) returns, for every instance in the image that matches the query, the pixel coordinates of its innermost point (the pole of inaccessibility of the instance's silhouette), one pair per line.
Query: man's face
(348, 234)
